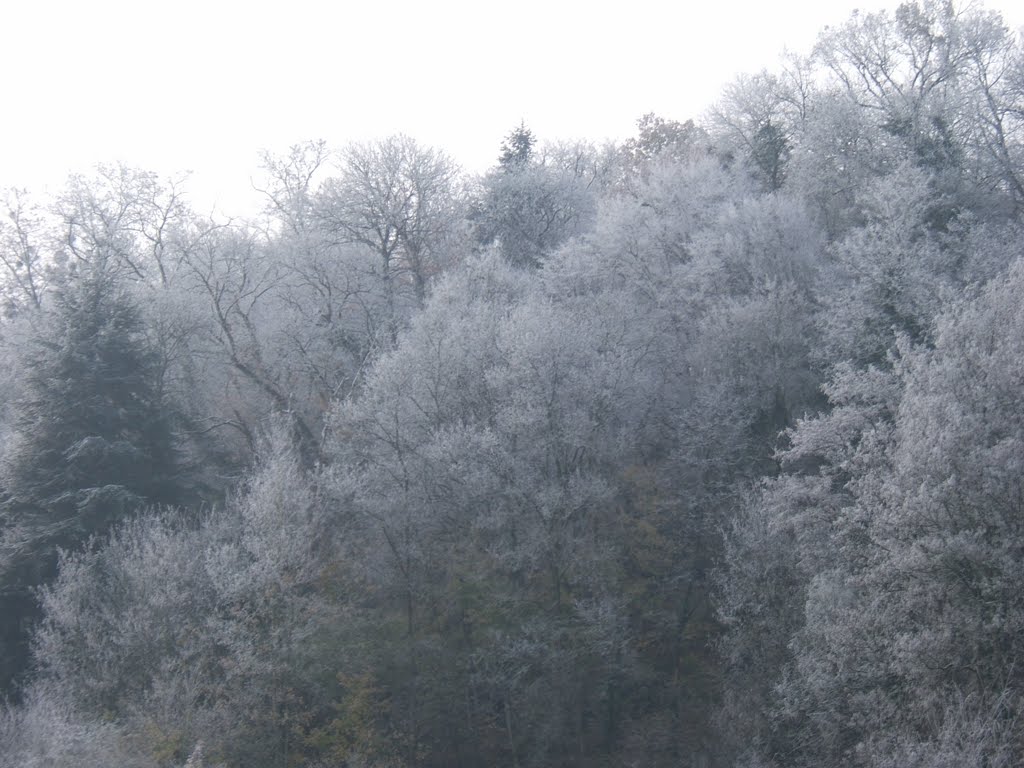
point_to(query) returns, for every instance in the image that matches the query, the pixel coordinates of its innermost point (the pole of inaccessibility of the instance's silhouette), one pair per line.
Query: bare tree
(124, 218)
(289, 187)
(22, 253)
(402, 201)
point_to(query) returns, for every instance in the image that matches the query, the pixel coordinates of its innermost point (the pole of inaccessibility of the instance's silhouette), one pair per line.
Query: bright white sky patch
(203, 86)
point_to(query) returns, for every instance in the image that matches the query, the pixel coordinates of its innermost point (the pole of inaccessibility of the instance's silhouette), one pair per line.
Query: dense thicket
(704, 449)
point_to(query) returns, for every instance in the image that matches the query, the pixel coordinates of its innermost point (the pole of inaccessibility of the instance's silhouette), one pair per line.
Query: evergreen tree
(517, 148)
(92, 444)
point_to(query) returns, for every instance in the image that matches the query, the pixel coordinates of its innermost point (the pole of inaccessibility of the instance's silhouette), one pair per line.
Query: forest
(704, 448)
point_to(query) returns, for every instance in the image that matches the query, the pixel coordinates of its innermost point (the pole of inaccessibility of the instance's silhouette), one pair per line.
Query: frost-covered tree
(552, 497)
(517, 148)
(122, 220)
(402, 202)
(755, 121)
(530, 205)
(92, 441)
(934, 81)
(888, 276)
(48, 730)
(211, 628)
(901, 601)
(664, 139)
(25, 234)
(91, 417)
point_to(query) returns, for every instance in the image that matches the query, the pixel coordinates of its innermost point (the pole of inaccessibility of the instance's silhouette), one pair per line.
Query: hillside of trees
(702, 449)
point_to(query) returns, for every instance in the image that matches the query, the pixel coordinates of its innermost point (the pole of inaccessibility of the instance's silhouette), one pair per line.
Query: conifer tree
(92, 443)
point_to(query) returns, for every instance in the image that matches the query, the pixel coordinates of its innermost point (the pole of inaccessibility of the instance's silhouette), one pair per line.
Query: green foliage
(92, 440)
(91, 419)
(770, 152)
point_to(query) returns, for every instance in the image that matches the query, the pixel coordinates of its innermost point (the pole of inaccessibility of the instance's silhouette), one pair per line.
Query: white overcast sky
(203, 86)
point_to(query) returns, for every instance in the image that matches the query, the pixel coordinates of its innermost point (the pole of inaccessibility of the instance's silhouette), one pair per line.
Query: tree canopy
(702, 448)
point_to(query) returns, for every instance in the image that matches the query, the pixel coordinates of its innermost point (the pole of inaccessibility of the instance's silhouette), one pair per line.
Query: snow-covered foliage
(704, 449)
